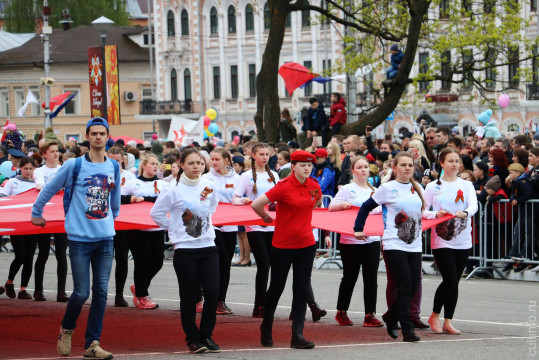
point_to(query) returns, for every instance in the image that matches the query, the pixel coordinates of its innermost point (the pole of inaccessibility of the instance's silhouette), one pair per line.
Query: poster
(95, 69)
(186, 131)
(113, 90)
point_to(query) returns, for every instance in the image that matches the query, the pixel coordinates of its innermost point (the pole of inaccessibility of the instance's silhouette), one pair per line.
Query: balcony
(168, 107)
(532, 91)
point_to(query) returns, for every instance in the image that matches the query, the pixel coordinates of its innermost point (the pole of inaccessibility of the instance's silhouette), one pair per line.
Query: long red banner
(15, 217)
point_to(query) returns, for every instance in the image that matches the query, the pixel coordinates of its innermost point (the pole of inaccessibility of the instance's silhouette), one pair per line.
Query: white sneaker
(535, 269)
(94, 351)
(63, 346)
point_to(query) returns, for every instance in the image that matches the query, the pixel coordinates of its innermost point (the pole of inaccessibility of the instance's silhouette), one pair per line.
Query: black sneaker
(211, 345)
(197, 347)
(521, 267)
(508, 268)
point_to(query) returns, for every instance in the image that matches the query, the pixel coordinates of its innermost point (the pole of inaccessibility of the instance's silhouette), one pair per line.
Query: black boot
(391, 326)
(266, 338)
(409, 337)
(317, 312)
(298, 341)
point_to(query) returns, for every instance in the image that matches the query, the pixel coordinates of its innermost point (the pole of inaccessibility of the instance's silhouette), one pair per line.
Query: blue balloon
(213, 128)
(6, 169)
(204, 135)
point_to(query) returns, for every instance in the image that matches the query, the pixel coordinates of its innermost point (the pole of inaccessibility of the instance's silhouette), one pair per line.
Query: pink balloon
(207, 121)
(504, 100)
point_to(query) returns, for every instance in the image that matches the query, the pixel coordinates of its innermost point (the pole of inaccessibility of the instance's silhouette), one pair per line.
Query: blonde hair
(416, 144)
(335, 156)
(144, 160)
(356, 159)
(416, 186)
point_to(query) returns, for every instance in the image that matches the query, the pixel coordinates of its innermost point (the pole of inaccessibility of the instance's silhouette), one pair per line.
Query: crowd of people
(426, 175)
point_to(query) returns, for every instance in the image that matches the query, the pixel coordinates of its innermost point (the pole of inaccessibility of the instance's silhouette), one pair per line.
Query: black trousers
(148, 249)
(226, 243)
(60, 249)
(260, 243)
(302, 262)
(353, 257)
(451, 263)
(121, 255)
(193, 267)
(24, 247)
(405, 267)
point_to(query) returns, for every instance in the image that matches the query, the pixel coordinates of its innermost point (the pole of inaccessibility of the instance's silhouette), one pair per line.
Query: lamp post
(103, 25)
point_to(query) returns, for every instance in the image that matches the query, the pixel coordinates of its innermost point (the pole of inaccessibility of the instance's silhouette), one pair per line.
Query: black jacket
(345, 172)
(315, 120)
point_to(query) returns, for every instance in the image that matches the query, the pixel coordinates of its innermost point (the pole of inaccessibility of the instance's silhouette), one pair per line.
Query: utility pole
(47, 30)
(150, 41)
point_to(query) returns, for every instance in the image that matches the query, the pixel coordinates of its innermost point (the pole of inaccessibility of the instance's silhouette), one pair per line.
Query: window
(423, 69)
(146, 39)
(185, 23)
(308, 88)
(444, 9)
(267, 17)
(233, 134)
(514, 127)
(4, 102)
(170, 24)
(513, 75)
(19, 97)
(533, 5)
(446, 70)
(146, 93)
(249, 18)
(213, 21)
(325, 5)
(36, 108)
(326, 65)
(252, 80)
(488, 6)
(234, 81)
(187, 84)
(490, 72)
(305, 16)
(73, 108)
(231, 20)
(216, 82)
(173, 85)
(467, 63)
(288, 21)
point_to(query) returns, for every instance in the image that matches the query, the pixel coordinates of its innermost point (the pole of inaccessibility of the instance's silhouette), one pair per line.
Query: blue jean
(98, 255)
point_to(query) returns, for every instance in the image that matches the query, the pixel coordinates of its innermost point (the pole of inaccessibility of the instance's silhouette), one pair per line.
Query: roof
(133, 9)
(71, 46)
(9, 40)
(143, 4)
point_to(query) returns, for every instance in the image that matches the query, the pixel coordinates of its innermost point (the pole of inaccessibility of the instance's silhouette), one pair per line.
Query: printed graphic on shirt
(204, 194)
(195, 220)
(156, 188)
(460, 196)
(229, 186)
(97, 195)
(408, 227)
(448, 230)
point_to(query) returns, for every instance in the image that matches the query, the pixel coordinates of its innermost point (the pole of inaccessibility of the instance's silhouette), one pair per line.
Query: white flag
(186, 131)
(30, 98)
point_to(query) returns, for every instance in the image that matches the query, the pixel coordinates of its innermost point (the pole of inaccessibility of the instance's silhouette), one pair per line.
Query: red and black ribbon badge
(372, 193)
(314, 194)
(491, 172)
(269, 180)
(412, 189)
(123, 182)
(111, 186)
(204, 194)
(460, 196)
(229, 186)
(320, 172)
(155, 188)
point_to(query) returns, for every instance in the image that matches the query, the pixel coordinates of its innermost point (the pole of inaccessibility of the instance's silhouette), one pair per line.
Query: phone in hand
(368, 128)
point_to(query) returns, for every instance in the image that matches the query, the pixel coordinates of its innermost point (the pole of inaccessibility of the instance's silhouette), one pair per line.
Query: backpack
(68, 191)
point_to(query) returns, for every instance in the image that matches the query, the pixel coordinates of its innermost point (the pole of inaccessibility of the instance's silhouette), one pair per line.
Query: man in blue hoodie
(396, 59)
(94, 184)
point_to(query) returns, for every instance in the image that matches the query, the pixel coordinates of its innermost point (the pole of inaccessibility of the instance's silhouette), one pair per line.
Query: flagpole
(46, 61)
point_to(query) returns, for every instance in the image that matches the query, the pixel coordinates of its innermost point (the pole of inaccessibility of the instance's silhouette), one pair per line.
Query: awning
(444, 120)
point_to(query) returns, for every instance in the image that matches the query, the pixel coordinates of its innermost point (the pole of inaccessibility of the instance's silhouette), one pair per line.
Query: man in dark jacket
(396, 59)
(315, 120)
(349, 144)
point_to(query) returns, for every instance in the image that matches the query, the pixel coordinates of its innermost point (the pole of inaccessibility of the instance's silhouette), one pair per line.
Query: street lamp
(103, 25)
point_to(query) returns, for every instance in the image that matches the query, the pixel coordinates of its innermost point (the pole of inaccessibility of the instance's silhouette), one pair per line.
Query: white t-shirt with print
(458, 195)
(263, 184)
(401, 212)
(44, 174)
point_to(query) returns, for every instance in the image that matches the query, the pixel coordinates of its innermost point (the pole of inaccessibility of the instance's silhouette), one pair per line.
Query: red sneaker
(145, 303)
(372, 321)
(343, 319)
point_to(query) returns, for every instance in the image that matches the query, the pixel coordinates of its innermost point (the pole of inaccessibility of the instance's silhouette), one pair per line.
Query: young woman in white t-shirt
(356, 253)
(452, 241)
(191, 203)
(402, 204)
(252, 184)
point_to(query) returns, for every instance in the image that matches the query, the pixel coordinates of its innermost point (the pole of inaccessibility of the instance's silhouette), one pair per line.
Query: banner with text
(113, 85)
(95, 68)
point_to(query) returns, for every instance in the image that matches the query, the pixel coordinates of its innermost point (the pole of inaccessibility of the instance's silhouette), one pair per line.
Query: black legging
(121, 255)
(24, 247)
(451, 263)
(353, 256)
(194, 267)
(405, 267)
(260, 243)
(302, 262)
(60, 249)
(226, 243)
(148, 249)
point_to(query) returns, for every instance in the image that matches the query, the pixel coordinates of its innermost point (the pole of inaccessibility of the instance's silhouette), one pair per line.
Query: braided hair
(253, 165)
(416, 186)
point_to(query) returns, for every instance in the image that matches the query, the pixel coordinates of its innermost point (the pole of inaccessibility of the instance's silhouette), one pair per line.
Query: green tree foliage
(20, 15)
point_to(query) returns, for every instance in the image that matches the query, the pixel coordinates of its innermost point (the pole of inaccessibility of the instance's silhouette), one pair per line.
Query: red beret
(302, 156)
(321, 153)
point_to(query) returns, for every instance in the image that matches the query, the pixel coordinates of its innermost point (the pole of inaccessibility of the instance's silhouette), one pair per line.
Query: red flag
(295, 75)
(57, 100)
